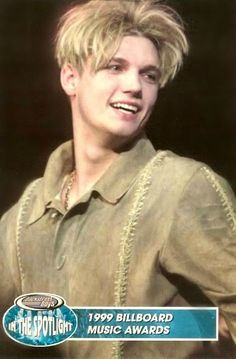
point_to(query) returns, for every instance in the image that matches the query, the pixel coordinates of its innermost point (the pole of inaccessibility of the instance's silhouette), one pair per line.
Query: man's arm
(202, 244)
(9, 271)
(9, 276)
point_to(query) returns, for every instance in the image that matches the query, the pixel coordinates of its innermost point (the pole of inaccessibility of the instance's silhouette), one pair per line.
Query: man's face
(116, 101)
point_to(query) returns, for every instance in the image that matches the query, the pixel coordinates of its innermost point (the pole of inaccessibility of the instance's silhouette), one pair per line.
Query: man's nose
(131, 83)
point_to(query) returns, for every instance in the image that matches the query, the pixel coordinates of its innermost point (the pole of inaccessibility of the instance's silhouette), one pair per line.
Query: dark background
(195, 114)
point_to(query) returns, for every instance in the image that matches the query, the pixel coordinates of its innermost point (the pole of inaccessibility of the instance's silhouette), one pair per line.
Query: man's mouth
(126, 108)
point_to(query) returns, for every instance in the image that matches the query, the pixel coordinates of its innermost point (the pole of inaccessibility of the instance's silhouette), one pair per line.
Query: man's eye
(152, 77)
(114, 67)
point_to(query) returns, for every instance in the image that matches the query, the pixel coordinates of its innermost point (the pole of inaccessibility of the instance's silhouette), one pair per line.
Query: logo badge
(39, 319)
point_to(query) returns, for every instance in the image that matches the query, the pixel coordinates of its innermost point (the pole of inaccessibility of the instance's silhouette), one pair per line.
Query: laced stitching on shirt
(225, 201)
(126, 243)
(20, 225)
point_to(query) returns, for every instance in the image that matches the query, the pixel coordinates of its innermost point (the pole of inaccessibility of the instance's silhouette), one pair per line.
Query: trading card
(117, 178)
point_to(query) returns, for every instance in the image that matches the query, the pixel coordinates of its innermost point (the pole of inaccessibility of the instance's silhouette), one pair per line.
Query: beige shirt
(155, 230)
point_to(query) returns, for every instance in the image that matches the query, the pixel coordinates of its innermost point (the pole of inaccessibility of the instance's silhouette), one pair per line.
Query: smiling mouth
(123, 107)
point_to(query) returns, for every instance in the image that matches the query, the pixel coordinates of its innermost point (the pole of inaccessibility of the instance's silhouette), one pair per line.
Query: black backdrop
(195, 115)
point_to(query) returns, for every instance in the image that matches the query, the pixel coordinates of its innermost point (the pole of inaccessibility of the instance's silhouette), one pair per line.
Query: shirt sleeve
(201, 246)
(9, 276)
(9, 283)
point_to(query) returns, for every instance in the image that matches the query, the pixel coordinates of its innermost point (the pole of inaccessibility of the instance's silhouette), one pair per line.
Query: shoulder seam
(225, 201)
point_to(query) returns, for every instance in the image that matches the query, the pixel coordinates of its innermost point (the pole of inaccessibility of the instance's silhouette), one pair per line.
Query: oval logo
(39, 319)
(37, 301)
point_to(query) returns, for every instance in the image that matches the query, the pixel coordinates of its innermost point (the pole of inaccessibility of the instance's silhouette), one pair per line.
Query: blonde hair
(96, 28)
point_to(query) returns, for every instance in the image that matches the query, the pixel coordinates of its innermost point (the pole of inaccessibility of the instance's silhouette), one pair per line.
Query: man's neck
(94, 152)
(91, 162)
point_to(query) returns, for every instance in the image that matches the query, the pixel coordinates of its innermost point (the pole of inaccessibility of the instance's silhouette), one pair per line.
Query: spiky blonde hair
(96, 28)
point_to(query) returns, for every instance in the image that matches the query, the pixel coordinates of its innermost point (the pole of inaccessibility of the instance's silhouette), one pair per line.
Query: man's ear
(69, 79)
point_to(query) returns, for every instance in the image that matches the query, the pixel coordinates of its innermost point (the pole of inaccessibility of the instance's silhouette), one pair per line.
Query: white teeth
(125, 106)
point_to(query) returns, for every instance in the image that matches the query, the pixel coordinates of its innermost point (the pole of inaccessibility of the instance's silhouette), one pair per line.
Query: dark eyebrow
(120, 60)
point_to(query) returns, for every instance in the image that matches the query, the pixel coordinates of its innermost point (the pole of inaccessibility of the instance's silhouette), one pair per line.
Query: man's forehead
(138, 49)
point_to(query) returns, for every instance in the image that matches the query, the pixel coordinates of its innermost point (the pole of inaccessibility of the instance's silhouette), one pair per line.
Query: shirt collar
(60, 163)
(111, 186)
(118, 178)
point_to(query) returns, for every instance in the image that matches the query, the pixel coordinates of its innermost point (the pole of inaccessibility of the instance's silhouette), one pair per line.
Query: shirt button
(60, 262)
(54, 214)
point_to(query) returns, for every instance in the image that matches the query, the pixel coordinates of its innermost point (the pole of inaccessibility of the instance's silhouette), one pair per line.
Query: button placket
(62, 239)
(60, 243)
(59, 248)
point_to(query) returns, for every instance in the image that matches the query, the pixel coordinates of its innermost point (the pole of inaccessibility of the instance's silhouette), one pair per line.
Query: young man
(112, 222)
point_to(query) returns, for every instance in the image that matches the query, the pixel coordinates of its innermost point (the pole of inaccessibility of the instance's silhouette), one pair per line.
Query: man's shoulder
(179, 172)
(178, 165)
(29, 195)
(171, 166)
(176, 162)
